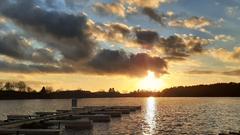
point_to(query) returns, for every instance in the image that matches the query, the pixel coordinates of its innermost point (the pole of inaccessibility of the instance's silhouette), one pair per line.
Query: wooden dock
(75, 119)
(17, 123)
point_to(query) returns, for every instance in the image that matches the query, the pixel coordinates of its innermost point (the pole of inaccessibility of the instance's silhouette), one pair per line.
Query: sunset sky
(98, 44)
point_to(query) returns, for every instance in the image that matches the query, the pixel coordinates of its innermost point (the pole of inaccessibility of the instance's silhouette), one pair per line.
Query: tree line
(20, 90)
(20, 86)
(212, 90)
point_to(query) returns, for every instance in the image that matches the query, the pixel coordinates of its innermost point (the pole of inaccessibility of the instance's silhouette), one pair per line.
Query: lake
(158, 115)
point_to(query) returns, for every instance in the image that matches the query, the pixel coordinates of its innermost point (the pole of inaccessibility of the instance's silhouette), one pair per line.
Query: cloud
(110, 9)
(32, 68)
(65, 32)
(201, 72)
(232, 11)
(173, 47)
(232, 73)
(118, 61)
(20, 48)
(182, 46)
(75, 38)
(197, 23)
(121, 33)
(145, 3)
(72, 3)
(207, 72)
(226, 55)
(147, 38)
(151, 13)
(171, 20)
(224, 38)
(71, 36)
(113, 32)
(122, 8)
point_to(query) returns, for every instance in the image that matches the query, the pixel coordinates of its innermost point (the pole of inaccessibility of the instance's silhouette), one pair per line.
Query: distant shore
(212, 90)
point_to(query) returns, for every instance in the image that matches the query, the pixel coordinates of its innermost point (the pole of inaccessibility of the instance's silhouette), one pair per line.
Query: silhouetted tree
(43, 90)
(49, 89)
(111, 90)
(46, 90)
(1, 85)
(9, 86)
(21, 86)
(29, 89)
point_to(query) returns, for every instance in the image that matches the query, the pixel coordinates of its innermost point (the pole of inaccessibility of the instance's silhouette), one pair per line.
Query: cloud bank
(70, 35)
(46, 39)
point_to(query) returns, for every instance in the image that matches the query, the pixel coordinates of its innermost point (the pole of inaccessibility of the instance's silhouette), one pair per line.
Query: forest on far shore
(20, 90)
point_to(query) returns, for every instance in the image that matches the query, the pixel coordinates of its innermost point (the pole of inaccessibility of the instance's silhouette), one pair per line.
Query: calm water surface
(166, 116)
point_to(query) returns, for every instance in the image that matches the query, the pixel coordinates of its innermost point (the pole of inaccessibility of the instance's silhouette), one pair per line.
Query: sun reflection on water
(150, 116)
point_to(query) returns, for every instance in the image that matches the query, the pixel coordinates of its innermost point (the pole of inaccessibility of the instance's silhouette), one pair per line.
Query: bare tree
(29, 89)
(49, 89)
(9, 86)
(21, 86)
(111, 90)
(1, 85)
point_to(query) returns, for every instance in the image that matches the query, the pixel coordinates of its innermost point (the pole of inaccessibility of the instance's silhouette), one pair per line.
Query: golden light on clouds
(145, 3)
(113, 8)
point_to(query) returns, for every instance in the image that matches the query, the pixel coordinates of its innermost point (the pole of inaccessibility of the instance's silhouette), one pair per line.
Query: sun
(150, 82)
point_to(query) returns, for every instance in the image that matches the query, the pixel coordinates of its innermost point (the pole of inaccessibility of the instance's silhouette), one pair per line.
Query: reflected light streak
(150, 116)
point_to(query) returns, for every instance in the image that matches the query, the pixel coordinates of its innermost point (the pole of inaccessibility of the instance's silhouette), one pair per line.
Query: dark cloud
(118, 32)
(118, 61)
(72, 36)
(3, 3)
(147, 37)
(171, 20)
(176, 47)
(65, 32)
(9, 45)
(17, 47)
(32, 68)
(151, 13)
(181, 47)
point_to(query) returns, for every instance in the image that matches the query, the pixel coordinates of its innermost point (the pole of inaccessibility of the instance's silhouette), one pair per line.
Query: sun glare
(150, 82)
